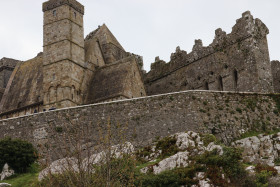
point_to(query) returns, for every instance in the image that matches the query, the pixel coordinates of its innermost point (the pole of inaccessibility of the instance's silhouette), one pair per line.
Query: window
(206, 86)
(220, 84)
(75, 14)
(54, 13)
(235, 78)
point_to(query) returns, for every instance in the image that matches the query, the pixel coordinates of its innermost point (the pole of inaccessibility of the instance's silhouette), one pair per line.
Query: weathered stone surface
(226, 115)
(275, 68)
(23, 94)
(64, 55)
(76, 71)
(224, 65)
(74, 165)
(262, 149)
(120, 80)
(60, 166)
(4, 185)
(202, 180)
(180, 159)
(6, 172)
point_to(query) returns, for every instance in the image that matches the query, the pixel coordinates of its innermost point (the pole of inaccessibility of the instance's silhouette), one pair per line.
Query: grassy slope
(23, 180)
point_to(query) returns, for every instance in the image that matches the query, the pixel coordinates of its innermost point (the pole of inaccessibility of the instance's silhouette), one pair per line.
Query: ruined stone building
(75, 70)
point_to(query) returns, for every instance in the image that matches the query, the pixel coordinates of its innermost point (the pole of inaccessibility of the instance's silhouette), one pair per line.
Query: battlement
(8, 62)
(51, 4)
(228, 53)
(244, 28)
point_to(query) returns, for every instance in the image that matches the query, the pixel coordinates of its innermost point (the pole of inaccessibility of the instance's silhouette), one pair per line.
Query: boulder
(72, 164)
(6, 172)
(4, 185)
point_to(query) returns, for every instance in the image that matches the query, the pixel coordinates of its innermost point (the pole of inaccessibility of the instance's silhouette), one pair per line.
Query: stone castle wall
(275, 68)
(238, 61)
(224, 114)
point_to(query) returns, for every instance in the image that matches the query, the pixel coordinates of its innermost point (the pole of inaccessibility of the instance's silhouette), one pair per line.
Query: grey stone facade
(238, 61)
(224, 114)
(275, 67)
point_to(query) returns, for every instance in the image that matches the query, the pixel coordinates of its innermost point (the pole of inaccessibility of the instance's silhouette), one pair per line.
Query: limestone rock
(263, 149)
(116, 151)
(6, 172)
(60, 166)
(72, 164)
(212, 147)
(180, 159)
(189, 139)
(203, 181)
(4, 185)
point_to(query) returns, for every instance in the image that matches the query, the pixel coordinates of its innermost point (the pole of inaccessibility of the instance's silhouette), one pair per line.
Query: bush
(228, 162)
(168, 146)
(175, 177)
(262, 178)
(19, 154)
(208, 138)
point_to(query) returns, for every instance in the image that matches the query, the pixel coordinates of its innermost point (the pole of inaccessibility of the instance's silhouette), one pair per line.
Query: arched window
(235, 79)
(220, 84)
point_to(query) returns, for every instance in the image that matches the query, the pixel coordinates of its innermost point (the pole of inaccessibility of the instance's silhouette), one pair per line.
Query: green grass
(22, 180)
(26, 179)
(256, 133)
(141, 166)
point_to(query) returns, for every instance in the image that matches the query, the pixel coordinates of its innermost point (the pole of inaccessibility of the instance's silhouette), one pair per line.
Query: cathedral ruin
(75, 70)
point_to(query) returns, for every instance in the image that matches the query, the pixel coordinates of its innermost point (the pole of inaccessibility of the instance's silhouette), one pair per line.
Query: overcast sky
(149, 28)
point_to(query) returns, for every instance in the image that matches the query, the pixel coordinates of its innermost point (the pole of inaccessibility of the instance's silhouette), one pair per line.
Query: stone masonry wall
(238, 61)
(275, 67)
(224, 114)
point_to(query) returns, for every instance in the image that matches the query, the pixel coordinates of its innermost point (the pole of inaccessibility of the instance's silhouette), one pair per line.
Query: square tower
(63, 57)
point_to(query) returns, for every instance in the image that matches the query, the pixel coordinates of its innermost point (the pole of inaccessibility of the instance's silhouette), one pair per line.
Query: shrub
(239, 110)
(262, 178)
(168, 146)
(260, 168)
(208, 138)
(19, 154)
(175, 177)
(229, 162)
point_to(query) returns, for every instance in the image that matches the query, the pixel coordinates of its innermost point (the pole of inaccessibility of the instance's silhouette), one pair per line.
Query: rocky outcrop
(6, 172)
(189, 144)
(4, 185)
(261, 149)
(75, 165)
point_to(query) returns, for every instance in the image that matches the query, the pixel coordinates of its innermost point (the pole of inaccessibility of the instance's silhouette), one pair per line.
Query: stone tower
(63, 58)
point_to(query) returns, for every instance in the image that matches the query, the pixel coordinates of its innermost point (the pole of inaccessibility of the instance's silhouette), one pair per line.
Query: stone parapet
(51, 4)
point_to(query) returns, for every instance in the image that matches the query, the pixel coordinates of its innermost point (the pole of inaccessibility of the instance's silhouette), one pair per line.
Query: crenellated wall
(224, 114)
(238, 61)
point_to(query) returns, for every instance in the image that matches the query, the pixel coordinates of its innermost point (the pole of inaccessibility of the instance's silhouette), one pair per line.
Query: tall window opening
(235, 78)
(206, 86)
(54, 13)
(220, 84)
